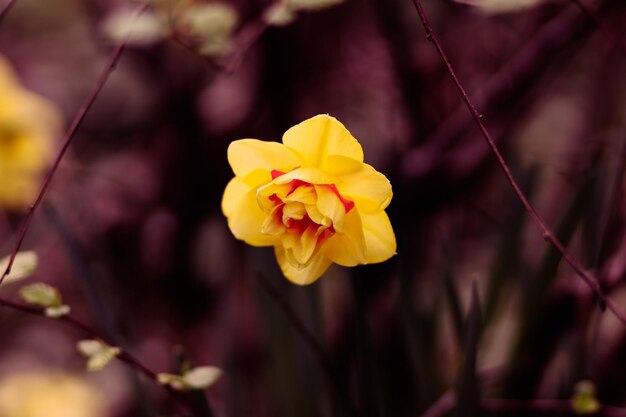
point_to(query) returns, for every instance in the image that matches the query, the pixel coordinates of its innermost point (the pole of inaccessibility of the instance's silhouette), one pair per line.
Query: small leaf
(279, 14)
(584, 399)
(98, 353)
(89, 347)
(196, 378)
(175, 381)
(41, 294)
(24, 265)
(202, 377)
(211, 25)
(144, 29)
(58, 311)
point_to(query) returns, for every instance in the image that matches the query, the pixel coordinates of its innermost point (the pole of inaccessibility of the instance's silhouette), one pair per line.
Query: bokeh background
(132, 234)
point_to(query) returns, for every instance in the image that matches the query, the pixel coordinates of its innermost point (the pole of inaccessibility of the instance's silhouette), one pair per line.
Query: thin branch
(5, 7)
(546, 233)
(124, 356)
(67, 140)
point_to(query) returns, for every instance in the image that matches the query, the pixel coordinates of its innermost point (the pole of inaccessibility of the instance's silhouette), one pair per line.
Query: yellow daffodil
(28, 126)
(311, 197)
(49, 394)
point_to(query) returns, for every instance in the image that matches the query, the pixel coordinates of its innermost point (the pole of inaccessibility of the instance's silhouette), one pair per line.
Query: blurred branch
(78, 259)
(124, 356)
(546, 233)
(543, 405)
(467, 390)
(442, 406)
(67, 140)
(368, 387)
(5, 7)
(614, 199)
(608, 32)
(243, 41)
(448, 401)
(93, 292)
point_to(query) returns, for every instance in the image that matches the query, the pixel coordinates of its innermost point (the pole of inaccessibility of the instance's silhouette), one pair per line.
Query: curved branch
(67, 140)
(546, 233)
(124, 356)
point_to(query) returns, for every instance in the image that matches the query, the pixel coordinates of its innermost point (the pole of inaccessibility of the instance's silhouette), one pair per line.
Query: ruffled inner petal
(347, 249)
(247, 219)
(330, 206)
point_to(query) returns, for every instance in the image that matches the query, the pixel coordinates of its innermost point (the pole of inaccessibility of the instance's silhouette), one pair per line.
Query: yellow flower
(28, 126)
(49, 394)
(311, 197)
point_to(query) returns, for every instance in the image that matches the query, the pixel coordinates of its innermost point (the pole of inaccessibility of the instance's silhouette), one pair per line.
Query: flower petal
(257, 178)
(330, 206)
(310, 175)
(380, 240)
(246, 221)
(247, 155)
(305, 275)
(369, 189)
(307, 245)
(235, 191)
(347, 248)
(319, 137)
(302, 194)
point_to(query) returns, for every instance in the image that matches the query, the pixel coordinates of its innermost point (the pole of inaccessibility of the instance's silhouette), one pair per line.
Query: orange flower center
(304, 215)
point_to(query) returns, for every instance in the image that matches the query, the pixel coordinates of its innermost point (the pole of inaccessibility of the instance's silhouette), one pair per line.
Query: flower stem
(546, 233)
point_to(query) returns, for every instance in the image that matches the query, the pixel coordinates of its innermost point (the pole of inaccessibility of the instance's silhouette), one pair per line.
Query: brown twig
(67, 140)
(546, 233)
(124, 356)
(5, 7)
